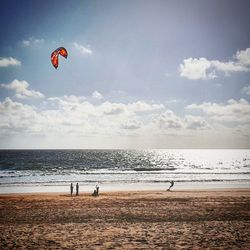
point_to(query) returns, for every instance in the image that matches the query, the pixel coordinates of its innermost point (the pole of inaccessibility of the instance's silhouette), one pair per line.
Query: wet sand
(127, 220)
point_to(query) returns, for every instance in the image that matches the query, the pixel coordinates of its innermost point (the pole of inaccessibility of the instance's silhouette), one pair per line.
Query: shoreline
(86, 187)
(126, 192)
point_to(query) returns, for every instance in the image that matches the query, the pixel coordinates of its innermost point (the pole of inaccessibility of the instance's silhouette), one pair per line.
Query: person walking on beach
(171, 185)
(71, 189)
(77, 189)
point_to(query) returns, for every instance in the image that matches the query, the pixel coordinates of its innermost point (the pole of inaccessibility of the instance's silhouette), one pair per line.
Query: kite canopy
(54, 56)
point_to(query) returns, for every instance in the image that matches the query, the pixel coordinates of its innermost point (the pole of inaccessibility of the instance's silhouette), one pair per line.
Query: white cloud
(10, 61)
(16, 117)
(228, 67)
(22, 89)
(112, 108)
(82, 49)
(243, 56)
(68, 99)
(135, 108)
(195, 69)
(195, 122)
(168, 120)
(246, 90)
(202, 68)
(143, 107)
(131, 124)
(31, 42)
(97, 95)
(233, 112)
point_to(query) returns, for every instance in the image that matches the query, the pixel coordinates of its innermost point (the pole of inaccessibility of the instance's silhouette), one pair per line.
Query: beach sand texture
(127, 220)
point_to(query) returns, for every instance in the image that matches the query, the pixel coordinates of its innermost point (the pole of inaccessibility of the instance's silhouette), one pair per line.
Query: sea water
(54, 170)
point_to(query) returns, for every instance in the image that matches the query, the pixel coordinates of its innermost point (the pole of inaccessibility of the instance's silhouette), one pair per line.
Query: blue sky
(147, 74)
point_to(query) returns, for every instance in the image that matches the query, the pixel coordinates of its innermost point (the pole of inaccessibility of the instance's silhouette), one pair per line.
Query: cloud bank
(76, 115)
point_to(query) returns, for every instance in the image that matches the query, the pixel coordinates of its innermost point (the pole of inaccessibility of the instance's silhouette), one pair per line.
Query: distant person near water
(96, 191)
(77, 189)
(71, 189)
(171, 185)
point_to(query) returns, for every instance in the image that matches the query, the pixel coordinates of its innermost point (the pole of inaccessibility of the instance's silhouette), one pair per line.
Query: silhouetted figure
(171, 185)
(71, 189)
(96, 191)
(77, 189)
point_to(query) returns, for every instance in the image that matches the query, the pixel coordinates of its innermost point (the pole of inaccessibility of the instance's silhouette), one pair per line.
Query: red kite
(54, 55)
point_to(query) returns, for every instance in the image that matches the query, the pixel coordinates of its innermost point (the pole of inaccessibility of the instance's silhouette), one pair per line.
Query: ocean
(54, 170)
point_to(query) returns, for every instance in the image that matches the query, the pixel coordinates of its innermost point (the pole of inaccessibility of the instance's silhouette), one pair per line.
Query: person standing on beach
(171, 185)
(77, 189)
(71, 189)
(97, 190)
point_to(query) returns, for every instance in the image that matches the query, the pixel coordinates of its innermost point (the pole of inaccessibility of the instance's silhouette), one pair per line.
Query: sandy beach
(127, 220)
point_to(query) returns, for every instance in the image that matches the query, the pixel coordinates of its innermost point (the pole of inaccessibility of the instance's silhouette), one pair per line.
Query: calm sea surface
(123, 168)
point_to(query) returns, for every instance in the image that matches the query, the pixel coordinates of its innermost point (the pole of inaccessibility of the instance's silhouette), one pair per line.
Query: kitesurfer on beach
(171, 185)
